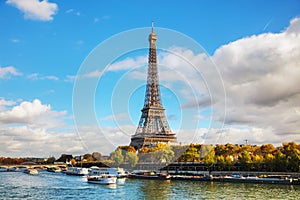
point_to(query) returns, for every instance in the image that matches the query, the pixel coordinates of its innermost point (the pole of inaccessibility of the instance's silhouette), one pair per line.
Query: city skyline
(45, 47)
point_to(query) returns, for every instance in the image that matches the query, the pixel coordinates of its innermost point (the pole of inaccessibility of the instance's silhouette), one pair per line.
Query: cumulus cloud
(7, 72)
(35, 9)
(261, 76)
(35, 129)
(32, 113)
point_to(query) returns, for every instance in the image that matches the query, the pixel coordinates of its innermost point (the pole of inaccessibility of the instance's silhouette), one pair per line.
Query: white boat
(31, 171)
(3, 169)
(120, 172)
(105, 176)
(77, 171)
(54, 169)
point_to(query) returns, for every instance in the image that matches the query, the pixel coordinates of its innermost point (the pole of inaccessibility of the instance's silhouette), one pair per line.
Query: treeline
(285, 158)
(11, 161)
(246, 157)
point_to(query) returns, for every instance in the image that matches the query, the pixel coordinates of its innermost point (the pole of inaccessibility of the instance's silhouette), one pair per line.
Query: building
(153, 126)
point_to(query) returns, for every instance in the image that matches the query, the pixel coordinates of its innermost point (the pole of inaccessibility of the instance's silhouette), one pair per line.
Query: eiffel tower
(153, 125)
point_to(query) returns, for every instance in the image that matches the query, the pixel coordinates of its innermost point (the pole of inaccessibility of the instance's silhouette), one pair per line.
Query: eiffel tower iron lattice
(153, 126)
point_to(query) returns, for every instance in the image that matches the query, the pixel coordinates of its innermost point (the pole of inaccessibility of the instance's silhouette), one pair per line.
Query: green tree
(117, 157)
(132, 158)
(164, 154)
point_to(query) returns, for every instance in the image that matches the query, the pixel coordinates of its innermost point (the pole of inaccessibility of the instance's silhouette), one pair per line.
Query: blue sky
(45, 44)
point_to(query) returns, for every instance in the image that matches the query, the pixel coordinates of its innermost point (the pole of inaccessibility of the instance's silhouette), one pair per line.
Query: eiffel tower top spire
(152, 97)
(153, 125)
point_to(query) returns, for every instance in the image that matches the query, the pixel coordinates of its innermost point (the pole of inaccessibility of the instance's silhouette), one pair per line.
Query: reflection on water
(47, 185)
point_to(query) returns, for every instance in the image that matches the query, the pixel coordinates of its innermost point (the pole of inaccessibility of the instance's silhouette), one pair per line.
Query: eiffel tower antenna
(153, 126)
(152, 26)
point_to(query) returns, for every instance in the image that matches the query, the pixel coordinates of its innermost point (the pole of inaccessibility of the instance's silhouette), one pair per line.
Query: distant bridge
(33, 165)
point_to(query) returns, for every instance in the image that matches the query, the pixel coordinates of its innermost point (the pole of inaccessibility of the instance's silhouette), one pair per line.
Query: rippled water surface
(46, 185)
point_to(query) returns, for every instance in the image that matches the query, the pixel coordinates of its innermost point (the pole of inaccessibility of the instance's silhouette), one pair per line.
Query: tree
(97, 156)
(294, 160)
(127, 148)
(245, 160)
(220, 150)
(73, 161)
(164, 154)
(88, 157)
(191, 155)
(117, 156)
(132, 159)
(257, 162)
(50, 160)
(64, 158)
(210, 158)
(280, 162)
(270, 160)
(221, 162)
(267, 149)
(229, 161)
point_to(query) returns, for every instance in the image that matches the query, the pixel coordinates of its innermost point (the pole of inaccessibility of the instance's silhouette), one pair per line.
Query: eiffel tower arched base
(139, 142)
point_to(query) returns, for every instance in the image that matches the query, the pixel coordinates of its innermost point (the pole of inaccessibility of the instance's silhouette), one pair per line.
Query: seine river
(46, 185)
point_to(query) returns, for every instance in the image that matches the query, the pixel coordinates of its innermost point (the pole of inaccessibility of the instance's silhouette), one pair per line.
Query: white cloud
(32, 113)
(70, 78)
(35, 129)
(261, 76)
(5, 103)
(73, 11)
(36, 76)
(35, 9)
(7, 72)
(31, 129)
(128, 63)
(93, 74)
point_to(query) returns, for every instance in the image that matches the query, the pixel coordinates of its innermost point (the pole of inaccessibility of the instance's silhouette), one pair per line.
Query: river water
(46, 185)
